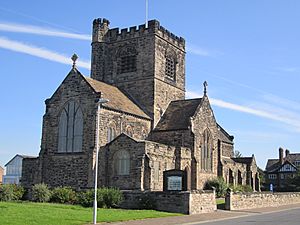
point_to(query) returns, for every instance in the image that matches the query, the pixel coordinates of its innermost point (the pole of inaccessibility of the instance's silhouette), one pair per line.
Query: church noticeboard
(175, 180)
(174, 183)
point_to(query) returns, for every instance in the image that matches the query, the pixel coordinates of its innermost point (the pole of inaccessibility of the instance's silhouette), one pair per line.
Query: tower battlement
(102, 33)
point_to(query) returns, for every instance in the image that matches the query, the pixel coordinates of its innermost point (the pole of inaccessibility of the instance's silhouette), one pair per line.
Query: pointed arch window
(122, 162)
(206, 151)
(70, 128)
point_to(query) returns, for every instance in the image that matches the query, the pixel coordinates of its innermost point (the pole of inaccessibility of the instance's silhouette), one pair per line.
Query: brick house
(146, 128)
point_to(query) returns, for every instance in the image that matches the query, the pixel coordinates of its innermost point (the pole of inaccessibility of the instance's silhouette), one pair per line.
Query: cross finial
(205, 87)
(74, 59)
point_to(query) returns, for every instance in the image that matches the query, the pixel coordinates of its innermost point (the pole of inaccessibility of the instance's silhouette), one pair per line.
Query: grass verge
(29, 213)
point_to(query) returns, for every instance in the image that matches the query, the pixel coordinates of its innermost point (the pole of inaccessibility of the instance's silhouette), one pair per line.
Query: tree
(237, 154)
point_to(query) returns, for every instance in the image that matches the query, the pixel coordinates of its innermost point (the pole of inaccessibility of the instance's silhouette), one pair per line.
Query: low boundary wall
(239, 201)
(186, 202)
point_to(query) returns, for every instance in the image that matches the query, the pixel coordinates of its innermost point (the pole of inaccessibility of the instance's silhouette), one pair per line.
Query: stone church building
(146, 129)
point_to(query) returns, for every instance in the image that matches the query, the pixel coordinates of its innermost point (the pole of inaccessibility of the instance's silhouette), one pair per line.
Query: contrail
(39, 52)
(23, 28)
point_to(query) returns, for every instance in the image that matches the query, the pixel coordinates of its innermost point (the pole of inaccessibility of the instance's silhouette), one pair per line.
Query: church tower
(146, 63)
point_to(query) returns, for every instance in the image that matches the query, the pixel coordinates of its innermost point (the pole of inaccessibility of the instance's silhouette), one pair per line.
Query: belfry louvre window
(127, 59)
(70, 128)
(128, 64)
(170, 69)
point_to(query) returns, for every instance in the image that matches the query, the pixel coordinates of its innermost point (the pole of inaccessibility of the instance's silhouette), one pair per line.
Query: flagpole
(146, 18)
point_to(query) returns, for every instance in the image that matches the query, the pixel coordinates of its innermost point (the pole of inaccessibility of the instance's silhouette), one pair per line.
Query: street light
(100, 102)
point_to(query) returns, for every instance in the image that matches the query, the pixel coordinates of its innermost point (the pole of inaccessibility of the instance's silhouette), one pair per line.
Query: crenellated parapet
(102, 33)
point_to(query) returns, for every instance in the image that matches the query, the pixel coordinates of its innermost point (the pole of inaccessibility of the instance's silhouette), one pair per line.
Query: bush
(106, 197)
(41, 193)
(63, 195)
(241, 188)
(147, 202)
(11, 192)
(219, 184)
(85, 198)
(110, 197)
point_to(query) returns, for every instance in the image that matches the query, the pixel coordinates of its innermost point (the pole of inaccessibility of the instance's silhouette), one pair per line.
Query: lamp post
(100, 102)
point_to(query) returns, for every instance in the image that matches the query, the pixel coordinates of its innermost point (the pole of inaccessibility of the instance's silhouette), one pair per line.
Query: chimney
(281, 155)
(287, 152)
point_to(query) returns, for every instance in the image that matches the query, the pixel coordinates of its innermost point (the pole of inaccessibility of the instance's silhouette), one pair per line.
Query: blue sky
(248, 51)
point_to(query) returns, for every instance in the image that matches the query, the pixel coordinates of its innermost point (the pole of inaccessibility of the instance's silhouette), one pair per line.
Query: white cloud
(196, 50)
(24, 28)
(289, 69)
(269, 112)
(39, 52)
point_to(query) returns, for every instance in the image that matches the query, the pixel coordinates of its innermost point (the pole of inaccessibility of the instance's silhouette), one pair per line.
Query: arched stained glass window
(206, 151)
(122, 162)
(70, 128)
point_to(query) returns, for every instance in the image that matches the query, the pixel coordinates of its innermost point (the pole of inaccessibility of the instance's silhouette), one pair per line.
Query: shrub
(11, 192)
(63, 195)
(106, 197)
(110, 197)
(85, 198)
(147, 202)
(241, 188)
(219, 184)
(41, 193)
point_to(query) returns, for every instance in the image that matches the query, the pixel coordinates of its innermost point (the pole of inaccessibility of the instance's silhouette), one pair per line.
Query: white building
(14, 169)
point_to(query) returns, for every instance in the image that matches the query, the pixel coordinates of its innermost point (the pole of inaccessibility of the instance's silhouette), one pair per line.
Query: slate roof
(177, 115)
(117, 99)
(273, 164)
(244, 160)
(224, 135)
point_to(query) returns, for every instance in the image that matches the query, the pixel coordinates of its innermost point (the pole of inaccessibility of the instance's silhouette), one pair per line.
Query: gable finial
(205, 87)
(74, 59)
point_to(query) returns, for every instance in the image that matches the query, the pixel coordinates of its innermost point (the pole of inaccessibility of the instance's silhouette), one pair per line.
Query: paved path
(227, 217)
(286, 217)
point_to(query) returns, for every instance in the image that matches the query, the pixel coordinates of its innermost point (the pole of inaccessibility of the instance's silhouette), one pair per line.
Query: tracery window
(70, 128)
(206, 151)
(122, 162)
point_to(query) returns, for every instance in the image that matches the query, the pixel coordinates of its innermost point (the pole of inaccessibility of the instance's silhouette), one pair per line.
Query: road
(286, 217)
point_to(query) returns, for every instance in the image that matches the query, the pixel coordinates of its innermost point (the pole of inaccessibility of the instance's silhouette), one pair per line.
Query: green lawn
(28, 213)
(220, 203)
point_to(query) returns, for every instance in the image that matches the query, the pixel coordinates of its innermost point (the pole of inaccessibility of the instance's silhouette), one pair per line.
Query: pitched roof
(245, 160)
(292, 157)
(224, 135)
(273, 164)
(177, 115)
(22, 156)
(117, 99)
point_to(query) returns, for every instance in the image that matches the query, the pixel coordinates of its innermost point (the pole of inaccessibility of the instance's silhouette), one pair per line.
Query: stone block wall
(30, 172)
(194, 202)
(242, 201)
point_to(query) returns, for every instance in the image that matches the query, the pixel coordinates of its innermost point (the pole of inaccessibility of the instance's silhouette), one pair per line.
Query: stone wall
(242, 201)
(194, 202)
(30, 172)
